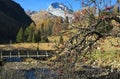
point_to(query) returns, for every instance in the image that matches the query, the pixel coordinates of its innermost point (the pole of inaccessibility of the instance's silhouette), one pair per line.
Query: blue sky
(38, 5)
(43, 4)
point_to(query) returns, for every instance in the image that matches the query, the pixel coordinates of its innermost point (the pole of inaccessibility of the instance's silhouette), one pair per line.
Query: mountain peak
(59, 5)
(56, 4)
(59, 9)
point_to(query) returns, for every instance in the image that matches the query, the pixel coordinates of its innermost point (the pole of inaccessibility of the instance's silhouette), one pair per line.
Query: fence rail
(26, 53)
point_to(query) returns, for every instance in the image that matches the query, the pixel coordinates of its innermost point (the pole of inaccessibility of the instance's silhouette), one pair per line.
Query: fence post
(46, 54)
(28, 54)
(18, 54)
(10, 54)
(1, 55)
(37, 55)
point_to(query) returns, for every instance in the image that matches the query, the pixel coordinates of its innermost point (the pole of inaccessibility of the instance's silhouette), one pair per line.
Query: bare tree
(81, 43)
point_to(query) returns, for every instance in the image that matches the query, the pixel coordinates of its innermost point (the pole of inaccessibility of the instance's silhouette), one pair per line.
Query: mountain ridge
(13, 17)
(59, 9)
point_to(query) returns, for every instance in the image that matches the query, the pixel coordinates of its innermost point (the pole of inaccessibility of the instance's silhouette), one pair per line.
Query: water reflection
(33, 73)
(39, 73)
(30, 74)
(13, 59)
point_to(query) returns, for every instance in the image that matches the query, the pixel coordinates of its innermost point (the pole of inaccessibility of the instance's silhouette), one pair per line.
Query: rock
(59, 9)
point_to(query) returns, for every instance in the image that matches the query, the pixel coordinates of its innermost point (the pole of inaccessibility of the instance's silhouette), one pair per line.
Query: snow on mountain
(59, 9)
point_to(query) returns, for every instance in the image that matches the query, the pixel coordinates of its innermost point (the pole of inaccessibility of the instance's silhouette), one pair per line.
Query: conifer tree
(61, 41)
(20, 36)
(42, 29)
(44, 39)
(38, 36)
(33, 38)
(66, 23)
(29, 39)
(29, 32)
(26, 33)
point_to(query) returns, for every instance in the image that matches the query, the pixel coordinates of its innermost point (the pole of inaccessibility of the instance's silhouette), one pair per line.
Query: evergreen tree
(61, 20)
(29, 32)
(20, 36)
(42, 29)
(33, 38)
(29, 39)
(50, 30)
(66, 23)
(38, 36)
(44, 39)
(61, 41)
(49, 27)
(67, 19)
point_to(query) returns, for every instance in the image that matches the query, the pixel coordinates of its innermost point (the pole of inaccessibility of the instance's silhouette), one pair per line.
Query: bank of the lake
(55, 70)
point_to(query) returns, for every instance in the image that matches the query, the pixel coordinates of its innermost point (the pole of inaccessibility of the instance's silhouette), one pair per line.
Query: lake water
(33, 73)
(46, 73)
(40, 73)
(13, 59)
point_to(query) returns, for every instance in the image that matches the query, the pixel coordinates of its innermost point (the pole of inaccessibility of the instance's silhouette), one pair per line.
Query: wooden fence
(26, 53)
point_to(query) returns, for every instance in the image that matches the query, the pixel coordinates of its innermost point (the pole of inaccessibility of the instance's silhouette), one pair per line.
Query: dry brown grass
(32, 46)
(56, 38)
(106, 43)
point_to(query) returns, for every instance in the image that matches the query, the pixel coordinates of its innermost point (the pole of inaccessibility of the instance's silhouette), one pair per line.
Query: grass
(103, 55)
(107, 55)
(106, 45)
(32, 46)
(65, 33)
(107, 58)
(56, 38)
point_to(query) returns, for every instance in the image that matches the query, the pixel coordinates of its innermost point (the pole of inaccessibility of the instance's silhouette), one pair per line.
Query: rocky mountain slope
(41, 16)
(59, 9)
(54, 10)
(30, 13)
(12, 17)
